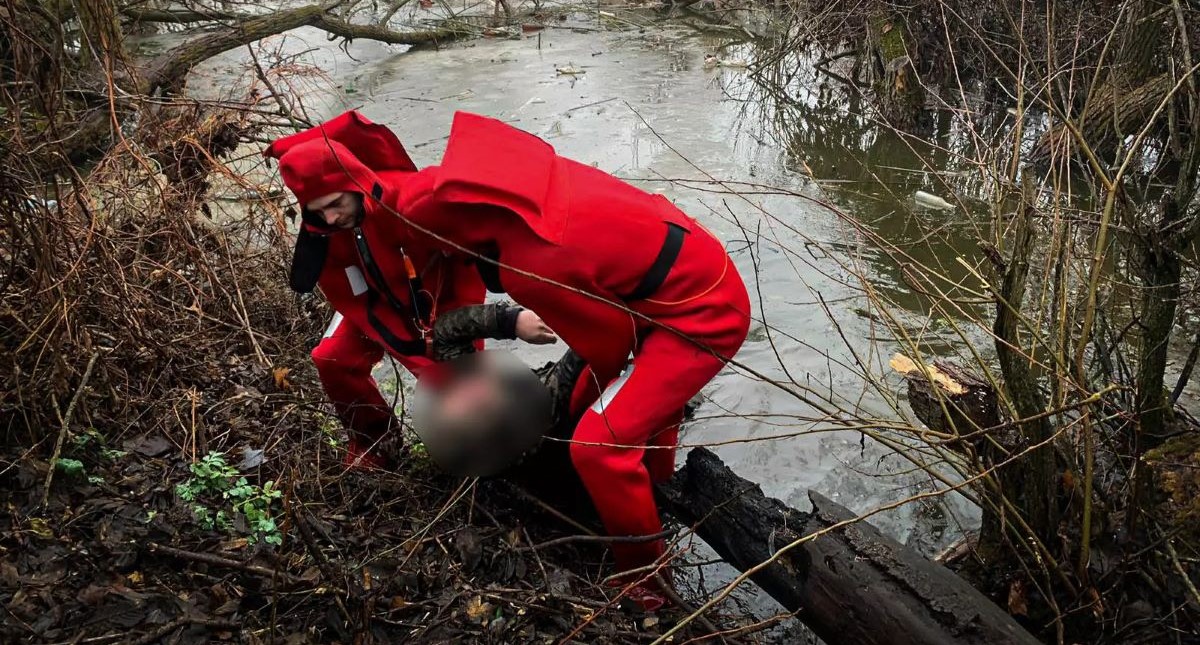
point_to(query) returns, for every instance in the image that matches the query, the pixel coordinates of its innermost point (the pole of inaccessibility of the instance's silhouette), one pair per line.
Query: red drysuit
(582, 246)
(362, 271)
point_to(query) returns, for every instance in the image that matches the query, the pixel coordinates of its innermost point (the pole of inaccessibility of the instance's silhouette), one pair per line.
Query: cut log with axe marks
(852, 585)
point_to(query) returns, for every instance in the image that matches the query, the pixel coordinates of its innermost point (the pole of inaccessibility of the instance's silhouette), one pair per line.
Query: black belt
(657, 273)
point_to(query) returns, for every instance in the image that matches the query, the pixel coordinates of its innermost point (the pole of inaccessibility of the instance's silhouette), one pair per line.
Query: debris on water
(929, 200)
(570, 70)
(533, 101)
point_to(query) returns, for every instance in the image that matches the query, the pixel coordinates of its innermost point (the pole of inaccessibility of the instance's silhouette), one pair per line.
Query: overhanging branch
(171, 68)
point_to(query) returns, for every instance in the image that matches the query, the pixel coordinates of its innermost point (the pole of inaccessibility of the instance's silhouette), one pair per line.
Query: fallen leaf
(280, 374)
(134, 578)
(470, 548)
(251, 458)
(236, 544)
(559, 583)
(40, 527)
(1018, 604)
(229, 607)
(149, 445)
(1097, 602)
(478, 611)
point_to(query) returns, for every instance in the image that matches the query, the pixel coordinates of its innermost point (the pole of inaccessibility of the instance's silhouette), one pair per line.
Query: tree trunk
(969, 410)
(104, 43)
(851, 585)
(1129, 89)
(1161, 272)
(171, 69)
(898, 92)
(1034, 493)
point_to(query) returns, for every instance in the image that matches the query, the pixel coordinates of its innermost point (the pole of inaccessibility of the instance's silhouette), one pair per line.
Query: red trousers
(344, 359)
(625, 442)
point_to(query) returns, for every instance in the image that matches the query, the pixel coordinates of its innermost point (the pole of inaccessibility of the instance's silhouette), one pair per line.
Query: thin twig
(227, 563)
(66, 425)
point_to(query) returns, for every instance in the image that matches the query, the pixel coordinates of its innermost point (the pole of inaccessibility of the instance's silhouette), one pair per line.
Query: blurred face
(472, 398)
(337, 210)
(482, 415)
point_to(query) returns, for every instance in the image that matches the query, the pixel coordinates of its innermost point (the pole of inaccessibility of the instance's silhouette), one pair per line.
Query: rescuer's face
(338, 210)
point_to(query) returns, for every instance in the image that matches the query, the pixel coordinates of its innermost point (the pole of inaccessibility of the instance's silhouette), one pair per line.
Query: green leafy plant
(69, 467)
(112, 454)
(218, 493)
(331, 429)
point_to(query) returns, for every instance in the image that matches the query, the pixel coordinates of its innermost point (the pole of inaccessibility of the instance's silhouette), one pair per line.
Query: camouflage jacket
(455, 332)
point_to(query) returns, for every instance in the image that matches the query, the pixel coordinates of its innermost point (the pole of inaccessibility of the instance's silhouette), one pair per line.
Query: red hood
(490, 162)
(319, 160)
(376, 145)
(320, 167)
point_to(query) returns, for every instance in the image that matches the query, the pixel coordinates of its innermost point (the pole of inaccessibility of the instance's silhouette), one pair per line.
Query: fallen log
(851, 585)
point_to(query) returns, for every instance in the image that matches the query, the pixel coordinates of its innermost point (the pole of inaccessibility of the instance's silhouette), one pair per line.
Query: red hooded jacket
(363, 271)
(579, 242)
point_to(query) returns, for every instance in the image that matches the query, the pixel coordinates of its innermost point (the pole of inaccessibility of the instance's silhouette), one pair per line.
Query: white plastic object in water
(929, 200)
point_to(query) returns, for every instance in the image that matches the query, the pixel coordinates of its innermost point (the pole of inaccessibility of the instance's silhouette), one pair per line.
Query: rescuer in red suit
(386, 283)
(616, 272)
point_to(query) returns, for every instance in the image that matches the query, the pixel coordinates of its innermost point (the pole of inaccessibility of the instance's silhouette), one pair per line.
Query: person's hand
(531, 329)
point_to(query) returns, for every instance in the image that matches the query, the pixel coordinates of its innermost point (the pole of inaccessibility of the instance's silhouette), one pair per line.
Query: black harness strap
(489, 270)
(420, 313)
(657, 273)
(364, 253)
(403, 347)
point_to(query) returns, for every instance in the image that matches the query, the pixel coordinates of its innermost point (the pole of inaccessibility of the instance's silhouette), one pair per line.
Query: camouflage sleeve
(455, 332)
(560, 379)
